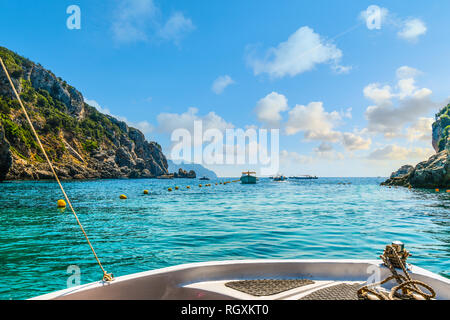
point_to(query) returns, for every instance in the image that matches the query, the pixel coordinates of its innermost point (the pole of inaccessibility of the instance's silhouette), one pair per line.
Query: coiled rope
(106, 276)
(409, 287)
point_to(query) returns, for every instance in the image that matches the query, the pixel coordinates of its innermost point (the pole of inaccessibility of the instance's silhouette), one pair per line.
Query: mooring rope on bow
(106, 276)
(409, 287)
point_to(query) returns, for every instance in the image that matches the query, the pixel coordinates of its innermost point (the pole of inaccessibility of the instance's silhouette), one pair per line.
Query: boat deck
(250, 280)
(292, 289)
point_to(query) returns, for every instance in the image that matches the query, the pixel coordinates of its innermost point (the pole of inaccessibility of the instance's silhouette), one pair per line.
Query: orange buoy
(200, 185)
(61, 203)
(123, 197)
(170, 189)
(437, 190)
(188, 187)
(145, 191)
(176, 188)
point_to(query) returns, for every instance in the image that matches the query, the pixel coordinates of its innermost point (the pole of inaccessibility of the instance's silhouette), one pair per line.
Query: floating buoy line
(106, 276)
(169, 189)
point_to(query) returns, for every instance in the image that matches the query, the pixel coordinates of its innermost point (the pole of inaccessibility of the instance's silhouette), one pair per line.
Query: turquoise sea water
(287, 220)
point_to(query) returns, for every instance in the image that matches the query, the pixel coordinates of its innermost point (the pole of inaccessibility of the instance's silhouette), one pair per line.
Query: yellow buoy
(170, 189)
(61, 203)
(437, 190)
(200, 185)
(188, 187)
(176, 188)
(145, 191)
(123, 197)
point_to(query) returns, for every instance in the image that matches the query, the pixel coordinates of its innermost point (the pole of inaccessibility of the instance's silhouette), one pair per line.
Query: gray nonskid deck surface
(343, 291)
(267, 287)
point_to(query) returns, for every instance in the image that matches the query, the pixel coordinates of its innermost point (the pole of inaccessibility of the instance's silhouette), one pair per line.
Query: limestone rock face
(43, 79)
(433, 173)
(81, 142)
(404, 170)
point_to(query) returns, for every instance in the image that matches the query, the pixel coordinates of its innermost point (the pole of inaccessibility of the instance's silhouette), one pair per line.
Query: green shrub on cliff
(4, 107)
(20, 134)
(443, 112)
(14, 62)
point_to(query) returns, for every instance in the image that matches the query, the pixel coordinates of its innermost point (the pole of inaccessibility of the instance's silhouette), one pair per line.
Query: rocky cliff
(441, 129)
(434, 172)
(81, 142)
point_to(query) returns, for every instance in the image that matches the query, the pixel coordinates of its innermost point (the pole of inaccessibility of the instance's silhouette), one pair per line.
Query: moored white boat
(306, 280)
(248, 177)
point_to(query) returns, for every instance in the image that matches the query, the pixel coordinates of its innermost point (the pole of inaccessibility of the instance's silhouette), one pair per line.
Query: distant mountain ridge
(200, 170)
(82, 142)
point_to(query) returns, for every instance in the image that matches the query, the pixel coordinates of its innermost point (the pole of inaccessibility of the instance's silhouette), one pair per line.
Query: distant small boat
(304, 177)
(204, 178)
(280, 178)
(248, 177)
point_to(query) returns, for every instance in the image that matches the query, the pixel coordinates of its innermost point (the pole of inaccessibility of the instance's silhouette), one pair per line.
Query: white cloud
(341, 69)
(144, 126)
(329, 155)
(420, 130)
(293, 158)
(176, 27)
(406, 72)
(412, 29)
(347, 113)
(268, 109)
(377, 93)
(313, 120)
(324, 147)
(394, 152)
(132, 20)
(221, 83)
(168, 122)
(303, 50)
(319, 125)
(326, 151)
(394, 108)
(140, 21)
(355, 142)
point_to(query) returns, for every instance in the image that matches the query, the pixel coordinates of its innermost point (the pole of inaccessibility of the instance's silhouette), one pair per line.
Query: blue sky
(348, 100)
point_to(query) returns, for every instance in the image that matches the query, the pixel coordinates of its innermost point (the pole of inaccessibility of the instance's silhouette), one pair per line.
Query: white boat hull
(205, 281)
